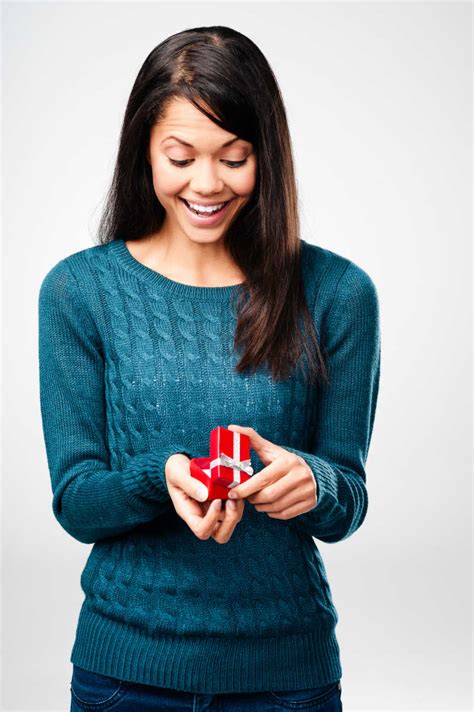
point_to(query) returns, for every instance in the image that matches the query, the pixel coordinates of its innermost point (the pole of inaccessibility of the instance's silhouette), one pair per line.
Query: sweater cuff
(144, 475)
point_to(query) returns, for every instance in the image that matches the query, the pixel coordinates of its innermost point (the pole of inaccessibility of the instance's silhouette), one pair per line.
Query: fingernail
(201, 494)
(233, 495)
(232, 505)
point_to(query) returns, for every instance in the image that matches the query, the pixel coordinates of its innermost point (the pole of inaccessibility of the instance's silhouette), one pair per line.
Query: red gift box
(228, 464)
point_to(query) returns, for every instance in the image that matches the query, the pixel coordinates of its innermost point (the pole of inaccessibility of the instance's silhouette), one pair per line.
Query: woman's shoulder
(70, 284)
(77, 265)
(328, 273)
(319, 259)
(69, 288)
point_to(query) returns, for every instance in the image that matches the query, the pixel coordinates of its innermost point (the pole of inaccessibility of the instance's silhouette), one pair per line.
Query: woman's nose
(205, 178)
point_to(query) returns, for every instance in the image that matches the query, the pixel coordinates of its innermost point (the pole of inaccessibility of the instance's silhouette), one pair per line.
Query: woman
(176, 323)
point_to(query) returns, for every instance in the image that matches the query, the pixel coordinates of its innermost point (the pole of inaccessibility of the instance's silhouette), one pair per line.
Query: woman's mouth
(205, 215)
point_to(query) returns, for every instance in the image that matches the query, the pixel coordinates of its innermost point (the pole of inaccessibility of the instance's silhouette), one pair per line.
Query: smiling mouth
(206, 213)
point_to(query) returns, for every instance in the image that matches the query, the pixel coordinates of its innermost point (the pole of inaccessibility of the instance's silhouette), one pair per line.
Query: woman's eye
(235, 164)
(183, 164)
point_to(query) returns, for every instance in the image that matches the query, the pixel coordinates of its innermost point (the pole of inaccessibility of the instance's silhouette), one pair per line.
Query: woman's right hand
(189, 496)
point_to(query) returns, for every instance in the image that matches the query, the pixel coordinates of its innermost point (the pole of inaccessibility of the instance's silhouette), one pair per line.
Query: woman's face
(205, 173)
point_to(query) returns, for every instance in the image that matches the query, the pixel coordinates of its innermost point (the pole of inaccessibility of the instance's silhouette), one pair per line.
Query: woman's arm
(345, 411)
(90, 500)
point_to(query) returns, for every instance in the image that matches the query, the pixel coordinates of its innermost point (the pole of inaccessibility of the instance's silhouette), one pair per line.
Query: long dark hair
(222, 69)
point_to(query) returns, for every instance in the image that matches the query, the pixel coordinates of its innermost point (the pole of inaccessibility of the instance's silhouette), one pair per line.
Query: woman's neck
(201, 265)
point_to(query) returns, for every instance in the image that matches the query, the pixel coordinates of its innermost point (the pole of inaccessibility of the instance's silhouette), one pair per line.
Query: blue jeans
(90, 691)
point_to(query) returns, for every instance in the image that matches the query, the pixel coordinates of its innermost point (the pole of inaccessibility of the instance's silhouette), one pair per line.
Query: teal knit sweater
(134, 367)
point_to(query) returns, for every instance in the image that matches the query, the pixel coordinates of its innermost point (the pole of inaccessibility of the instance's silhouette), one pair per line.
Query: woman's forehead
(183, 123)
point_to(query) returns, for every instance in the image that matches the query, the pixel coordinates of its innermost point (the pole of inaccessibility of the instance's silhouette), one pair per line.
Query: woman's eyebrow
(185, 143)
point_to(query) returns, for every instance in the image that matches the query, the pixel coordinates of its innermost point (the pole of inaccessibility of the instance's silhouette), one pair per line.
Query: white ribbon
(235, 463)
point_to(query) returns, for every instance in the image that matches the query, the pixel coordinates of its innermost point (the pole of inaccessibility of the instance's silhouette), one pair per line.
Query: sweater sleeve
(90, 501)
(345, 411)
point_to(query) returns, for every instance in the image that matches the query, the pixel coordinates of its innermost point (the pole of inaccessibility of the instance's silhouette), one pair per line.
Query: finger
(289, 512)
(272, 472)
(230, 511)
(204, 526)
(192, 513)
(200, 524)
(288, 500)
(254, 437)
(187, 507)
(265, 449)
(223, 531)
(295, 481)
(181, 477)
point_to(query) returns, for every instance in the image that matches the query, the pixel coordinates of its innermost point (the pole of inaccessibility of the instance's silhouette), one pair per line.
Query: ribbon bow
(243, 465)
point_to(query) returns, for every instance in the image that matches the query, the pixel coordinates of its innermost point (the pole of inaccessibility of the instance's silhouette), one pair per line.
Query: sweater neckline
(154, 278)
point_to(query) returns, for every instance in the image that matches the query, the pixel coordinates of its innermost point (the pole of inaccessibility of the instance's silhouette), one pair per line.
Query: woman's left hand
(284, 488)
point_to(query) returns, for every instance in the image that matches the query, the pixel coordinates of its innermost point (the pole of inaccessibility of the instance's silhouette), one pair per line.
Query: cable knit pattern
(134, 367)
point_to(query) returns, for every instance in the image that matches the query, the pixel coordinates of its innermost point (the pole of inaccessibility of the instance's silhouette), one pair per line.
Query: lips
(218, 202)
(206, 219)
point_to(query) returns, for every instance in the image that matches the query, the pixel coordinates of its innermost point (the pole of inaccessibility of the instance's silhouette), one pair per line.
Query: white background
(378, 97)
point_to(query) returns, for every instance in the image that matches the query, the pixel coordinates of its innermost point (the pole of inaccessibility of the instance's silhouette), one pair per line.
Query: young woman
(202, 307)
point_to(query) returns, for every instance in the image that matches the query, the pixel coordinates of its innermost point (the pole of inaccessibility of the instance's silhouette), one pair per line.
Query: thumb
(180, 477)
(200, 492)
(195, 489)
(265, 449)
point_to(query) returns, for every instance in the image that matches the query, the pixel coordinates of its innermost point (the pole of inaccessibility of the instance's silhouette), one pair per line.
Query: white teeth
(204, 208)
